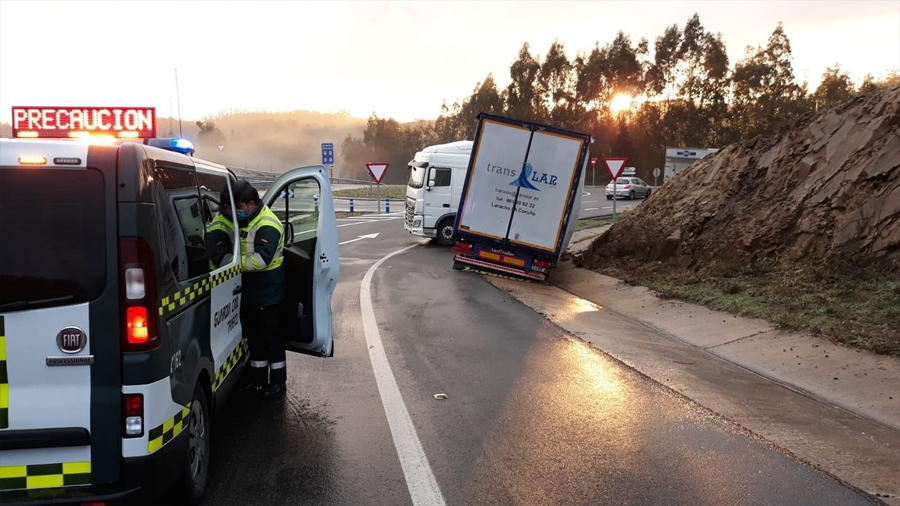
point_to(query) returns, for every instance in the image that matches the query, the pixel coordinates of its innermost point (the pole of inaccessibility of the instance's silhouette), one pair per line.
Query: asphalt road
(532, 416)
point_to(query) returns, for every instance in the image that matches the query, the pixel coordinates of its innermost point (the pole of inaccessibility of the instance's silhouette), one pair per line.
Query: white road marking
(423, 487)
(360, 238)
(367, 222)
(592, 209)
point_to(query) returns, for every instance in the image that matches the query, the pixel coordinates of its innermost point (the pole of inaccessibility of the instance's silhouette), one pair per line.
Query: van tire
(444, 235)
(196, 465)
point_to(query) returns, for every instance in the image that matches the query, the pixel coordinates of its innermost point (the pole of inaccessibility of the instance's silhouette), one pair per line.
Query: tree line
(686, 92)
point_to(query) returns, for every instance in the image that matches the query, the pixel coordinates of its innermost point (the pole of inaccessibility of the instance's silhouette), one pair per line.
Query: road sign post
(328, 156)
(655, 175)
(594, 171)
(376, 171)
(615, 166)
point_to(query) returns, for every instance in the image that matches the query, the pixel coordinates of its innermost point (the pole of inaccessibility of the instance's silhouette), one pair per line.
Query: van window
(52, 224)
(183, 224)
(219, 235)
(299, 206)
(442, 177)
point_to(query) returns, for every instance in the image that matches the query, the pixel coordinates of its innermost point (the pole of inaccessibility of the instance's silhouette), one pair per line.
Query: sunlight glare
(621, 102)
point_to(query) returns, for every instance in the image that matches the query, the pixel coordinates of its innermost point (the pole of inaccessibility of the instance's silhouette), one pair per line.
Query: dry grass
(855, 306)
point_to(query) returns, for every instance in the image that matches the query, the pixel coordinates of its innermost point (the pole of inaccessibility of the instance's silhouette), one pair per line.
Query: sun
(620, 102)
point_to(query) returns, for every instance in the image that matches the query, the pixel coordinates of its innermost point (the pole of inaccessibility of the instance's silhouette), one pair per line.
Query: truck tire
(196, 465)
(445, 232)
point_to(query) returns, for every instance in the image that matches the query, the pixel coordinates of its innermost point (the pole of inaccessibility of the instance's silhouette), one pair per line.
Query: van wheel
(445, 232)
(196, 465)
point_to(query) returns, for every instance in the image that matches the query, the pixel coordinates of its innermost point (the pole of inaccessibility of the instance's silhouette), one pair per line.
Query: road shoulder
(739, 368)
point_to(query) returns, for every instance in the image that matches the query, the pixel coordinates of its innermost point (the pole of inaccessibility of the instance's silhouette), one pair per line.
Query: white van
(119, 336)
(436, 177)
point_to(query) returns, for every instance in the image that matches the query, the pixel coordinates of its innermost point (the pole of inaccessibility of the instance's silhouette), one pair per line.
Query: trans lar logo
(528, 175)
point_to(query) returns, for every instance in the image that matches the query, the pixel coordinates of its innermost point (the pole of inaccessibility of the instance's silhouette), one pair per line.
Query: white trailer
(516, 210)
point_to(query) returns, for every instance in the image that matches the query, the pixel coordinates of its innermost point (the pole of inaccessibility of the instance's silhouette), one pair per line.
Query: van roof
(53, 150)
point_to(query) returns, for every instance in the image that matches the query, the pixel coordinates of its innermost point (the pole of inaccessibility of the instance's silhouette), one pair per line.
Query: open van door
(301, 198)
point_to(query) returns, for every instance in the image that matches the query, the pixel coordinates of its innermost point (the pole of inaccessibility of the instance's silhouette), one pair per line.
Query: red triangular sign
(377, 170)
(615, 166)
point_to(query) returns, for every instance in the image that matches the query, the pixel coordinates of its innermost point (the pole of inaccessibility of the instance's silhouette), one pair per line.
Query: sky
(396, 59)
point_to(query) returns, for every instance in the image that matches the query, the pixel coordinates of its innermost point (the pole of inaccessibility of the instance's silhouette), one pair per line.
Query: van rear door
(301, 198)
(60, 370)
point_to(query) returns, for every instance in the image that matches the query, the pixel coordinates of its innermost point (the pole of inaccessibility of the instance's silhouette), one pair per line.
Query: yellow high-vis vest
(252, 261)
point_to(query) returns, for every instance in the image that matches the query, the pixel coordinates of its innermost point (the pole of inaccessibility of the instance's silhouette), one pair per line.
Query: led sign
(80, 122)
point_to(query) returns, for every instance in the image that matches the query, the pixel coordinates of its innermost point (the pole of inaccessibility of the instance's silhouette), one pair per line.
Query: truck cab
(436, 177)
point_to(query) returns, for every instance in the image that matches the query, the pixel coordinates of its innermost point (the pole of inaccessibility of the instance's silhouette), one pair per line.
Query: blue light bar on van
(178, 145)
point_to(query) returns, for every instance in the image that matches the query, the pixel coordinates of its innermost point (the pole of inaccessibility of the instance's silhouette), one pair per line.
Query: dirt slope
(826, 189)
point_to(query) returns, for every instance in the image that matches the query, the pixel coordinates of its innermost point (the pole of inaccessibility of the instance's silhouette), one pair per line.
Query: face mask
(241, 214)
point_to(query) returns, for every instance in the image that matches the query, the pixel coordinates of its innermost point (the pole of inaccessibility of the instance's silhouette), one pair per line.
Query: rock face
(828, 188)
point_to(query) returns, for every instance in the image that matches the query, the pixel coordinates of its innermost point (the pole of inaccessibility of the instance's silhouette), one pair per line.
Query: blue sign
(327, 153)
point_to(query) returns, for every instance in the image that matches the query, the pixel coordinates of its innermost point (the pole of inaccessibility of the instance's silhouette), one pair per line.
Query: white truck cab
(436, 177)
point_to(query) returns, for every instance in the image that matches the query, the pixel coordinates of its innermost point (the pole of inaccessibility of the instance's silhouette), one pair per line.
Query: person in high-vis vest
(263, 280)
(219, 234)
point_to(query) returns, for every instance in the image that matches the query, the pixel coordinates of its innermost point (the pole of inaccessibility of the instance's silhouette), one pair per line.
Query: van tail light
(140, 320)
(134, 414)
(137, 325)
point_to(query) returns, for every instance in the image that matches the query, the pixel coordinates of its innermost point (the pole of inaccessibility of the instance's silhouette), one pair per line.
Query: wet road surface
(532, 415)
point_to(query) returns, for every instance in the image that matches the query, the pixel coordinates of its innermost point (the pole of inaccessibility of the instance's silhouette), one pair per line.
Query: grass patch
(592, 223)
(854, 306)
(599, 222)
(389, 191)
(345, 214)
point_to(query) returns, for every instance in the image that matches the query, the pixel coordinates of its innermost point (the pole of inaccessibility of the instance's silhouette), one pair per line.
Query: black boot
(274, 391)
(254, 379)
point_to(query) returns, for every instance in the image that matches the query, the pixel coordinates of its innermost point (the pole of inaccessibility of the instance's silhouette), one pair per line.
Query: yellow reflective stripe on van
(4, 379)
(186, 297)
(225, 369)
(166, 432)
(65, 474)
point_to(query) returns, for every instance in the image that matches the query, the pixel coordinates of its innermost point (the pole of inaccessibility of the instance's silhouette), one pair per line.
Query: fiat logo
(71, 340)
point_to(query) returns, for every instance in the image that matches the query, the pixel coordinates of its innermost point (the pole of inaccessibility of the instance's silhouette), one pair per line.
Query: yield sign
(615, 165)
(221, 148)
(377, 170)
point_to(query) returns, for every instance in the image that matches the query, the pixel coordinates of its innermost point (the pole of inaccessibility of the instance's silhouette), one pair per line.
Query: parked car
(628, 187)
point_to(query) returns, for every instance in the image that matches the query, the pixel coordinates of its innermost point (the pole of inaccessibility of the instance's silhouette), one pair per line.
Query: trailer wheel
(445, 232)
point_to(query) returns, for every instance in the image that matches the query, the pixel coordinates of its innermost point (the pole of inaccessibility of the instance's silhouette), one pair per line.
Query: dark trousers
(267, 359)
